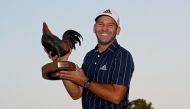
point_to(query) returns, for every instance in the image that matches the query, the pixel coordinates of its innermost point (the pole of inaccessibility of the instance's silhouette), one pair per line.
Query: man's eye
(110, 24)
(100, 24)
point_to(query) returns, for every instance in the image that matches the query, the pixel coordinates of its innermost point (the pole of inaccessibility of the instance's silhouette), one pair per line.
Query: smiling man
(103, 82)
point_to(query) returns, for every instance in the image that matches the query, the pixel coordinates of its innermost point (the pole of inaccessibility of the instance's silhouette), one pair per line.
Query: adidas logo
(103, 67)
(107, 11)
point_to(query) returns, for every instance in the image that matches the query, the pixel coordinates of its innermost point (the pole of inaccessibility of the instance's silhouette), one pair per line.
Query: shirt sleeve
(123, 69)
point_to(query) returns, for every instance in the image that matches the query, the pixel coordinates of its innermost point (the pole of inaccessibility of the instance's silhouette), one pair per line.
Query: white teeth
(104, 34)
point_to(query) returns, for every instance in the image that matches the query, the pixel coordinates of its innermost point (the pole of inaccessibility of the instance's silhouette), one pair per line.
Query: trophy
(60, 48)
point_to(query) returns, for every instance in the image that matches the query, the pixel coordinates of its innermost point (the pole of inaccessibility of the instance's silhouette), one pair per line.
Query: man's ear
(118, 30)
(94, 28)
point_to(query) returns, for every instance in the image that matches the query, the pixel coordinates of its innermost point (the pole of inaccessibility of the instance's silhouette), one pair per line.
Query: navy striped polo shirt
(113, 66)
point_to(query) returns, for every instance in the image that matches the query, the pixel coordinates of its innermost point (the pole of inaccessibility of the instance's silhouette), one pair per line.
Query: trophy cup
(60, 48)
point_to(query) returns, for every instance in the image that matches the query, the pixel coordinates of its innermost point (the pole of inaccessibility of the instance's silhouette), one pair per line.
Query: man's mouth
(104, 34)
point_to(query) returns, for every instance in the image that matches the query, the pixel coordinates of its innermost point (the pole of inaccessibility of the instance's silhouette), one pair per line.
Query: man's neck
(103, 47)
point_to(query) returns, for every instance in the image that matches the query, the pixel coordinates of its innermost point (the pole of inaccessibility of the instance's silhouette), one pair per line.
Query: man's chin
(104, 42)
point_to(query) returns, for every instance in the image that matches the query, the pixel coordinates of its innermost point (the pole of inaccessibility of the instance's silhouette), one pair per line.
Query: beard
(105, 41)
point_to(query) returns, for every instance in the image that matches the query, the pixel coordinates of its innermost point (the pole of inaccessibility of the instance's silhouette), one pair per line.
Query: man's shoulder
(89, 53)
(123, 51)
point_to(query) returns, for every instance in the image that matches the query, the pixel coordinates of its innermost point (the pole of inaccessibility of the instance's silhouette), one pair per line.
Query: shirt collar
(111, 48)
(114, 46)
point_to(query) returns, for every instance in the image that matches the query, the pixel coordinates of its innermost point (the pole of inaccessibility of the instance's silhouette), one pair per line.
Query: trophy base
(49, 70)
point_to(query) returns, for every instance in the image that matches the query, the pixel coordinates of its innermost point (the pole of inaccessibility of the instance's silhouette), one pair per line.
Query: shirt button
(95, 63)
(98, 55)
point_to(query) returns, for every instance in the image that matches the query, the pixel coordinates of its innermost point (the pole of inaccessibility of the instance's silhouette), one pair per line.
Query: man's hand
(77, 77)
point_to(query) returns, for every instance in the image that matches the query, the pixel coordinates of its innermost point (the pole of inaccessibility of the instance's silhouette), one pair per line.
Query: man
(103, 81)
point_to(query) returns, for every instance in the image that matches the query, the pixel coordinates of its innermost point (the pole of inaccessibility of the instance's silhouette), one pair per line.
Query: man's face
(106, 29)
